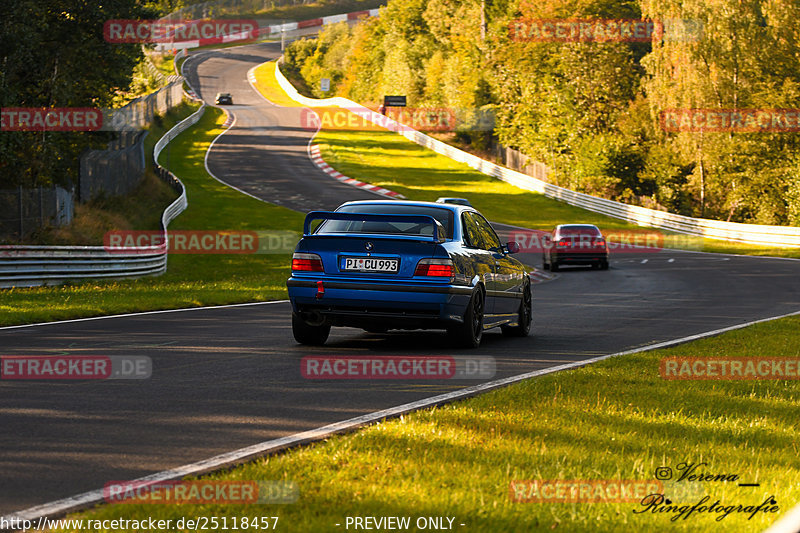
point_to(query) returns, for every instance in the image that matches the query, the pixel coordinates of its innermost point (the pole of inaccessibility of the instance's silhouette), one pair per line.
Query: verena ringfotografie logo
(201, 492)
(397, 367)
(731, 120)
(155, 31)
(201, 241)
(618, 241)
(26, 367)
(729, 368)
(50, 119)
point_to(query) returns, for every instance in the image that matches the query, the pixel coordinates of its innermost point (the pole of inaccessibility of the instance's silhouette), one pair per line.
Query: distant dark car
(381, 265)
(576, 244)
(454, 201)
(223, 99)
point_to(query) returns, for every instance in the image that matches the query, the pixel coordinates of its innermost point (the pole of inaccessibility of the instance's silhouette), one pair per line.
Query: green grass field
(616, 419)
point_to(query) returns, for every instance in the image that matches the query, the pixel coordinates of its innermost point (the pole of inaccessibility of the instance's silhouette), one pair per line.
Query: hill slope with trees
(591, 110)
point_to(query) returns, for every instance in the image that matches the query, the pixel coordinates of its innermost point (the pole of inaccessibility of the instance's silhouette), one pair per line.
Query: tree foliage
(590, 110)
(53, 54)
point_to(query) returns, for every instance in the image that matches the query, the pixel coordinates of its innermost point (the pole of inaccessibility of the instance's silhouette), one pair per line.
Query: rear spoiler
(372, 217)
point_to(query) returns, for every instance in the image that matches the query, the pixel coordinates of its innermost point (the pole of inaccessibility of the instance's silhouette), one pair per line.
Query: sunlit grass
(616, 419)
(268, 86)
(163, 62)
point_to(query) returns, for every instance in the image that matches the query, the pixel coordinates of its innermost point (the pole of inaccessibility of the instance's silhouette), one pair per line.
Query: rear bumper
(579, 258)
(380, 304)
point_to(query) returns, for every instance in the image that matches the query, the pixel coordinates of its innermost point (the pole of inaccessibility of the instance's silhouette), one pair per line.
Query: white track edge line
(86, 499)
(140, 313)
(789, 522)
(208, 170)
(250, 78)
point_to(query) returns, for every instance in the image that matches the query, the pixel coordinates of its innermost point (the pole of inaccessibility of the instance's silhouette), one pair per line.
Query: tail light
(600, 242)
(562, 243)
(434, 267)
(306, 263)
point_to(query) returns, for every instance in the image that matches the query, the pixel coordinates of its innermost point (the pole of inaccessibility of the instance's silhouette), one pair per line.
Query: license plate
(371, 264)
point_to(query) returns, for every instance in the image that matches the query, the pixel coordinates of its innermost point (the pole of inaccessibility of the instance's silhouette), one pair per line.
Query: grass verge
(163, 62)
(616, 419)
(141, 209)
(191, 280)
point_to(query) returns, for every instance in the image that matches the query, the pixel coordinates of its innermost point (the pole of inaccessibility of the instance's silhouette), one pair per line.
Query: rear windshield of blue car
(443, 216)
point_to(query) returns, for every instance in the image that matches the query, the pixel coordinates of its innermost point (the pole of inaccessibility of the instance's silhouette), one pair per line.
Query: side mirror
(512, 247)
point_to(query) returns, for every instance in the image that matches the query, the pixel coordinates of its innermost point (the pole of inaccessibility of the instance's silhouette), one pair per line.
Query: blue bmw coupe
(381, 265)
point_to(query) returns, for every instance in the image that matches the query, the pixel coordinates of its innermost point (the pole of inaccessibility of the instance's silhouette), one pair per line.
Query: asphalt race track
(226, 378)
(265, 153)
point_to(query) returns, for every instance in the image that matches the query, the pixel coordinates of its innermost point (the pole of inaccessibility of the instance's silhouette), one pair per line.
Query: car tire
(604, 265)
(305, 333)
(553, 267)
(525, 319)
(545, 264)
(469, 333)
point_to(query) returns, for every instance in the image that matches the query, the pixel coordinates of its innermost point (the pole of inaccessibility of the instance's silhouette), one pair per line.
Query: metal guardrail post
(21, 214)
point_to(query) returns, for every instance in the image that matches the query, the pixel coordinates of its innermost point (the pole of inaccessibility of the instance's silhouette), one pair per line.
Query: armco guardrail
(277, 29)
(29, 266)
(713, 229)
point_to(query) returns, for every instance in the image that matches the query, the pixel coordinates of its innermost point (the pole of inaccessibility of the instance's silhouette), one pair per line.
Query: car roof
(452, 200)
(223, 94)
(457, 208)
(577, 226)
